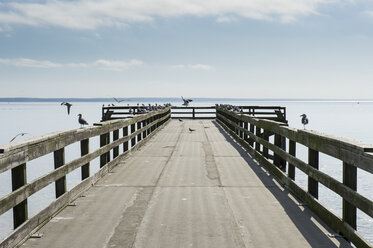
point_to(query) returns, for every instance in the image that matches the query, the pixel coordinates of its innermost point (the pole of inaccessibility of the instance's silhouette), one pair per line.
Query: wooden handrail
(352, 155)
(15, 156)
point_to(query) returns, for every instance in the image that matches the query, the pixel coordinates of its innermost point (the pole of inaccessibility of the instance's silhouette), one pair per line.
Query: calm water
(348, 119)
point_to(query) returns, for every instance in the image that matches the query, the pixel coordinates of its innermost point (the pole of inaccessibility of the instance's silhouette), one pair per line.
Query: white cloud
(100, 64)
(117, 65)
(195, 66)
(92, 14)
(23, 62)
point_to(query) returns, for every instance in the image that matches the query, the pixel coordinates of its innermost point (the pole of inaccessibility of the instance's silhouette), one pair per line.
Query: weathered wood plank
(345, 192)
(27, 190)
(328, 217)
(22, 152)
(19, 179)
(357, 154)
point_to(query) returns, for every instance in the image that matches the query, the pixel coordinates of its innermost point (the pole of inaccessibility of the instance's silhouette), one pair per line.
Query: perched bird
(191, 130)
(304, 120)
(180, 120)
(20, 134)
(118, 101)
(68, 105)
(82, 121)
(186, 101)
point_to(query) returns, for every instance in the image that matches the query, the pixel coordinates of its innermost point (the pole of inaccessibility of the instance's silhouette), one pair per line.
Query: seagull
(191, 130)
(304, 120)
(68, 105)
(186, 101)
(118, 101)
(82, 121)
(20, 134)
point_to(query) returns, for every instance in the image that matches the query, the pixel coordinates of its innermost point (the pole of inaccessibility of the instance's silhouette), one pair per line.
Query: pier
(228, 183)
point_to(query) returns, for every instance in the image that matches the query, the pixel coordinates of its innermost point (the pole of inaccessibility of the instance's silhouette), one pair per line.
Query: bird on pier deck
(191, 130)
(82, 121)
(304, 120)
(68, 105)
(186, 101)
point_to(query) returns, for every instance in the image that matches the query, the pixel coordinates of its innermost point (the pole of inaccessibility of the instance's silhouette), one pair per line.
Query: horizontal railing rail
(253, 134)
(14, 157)
(276, 113)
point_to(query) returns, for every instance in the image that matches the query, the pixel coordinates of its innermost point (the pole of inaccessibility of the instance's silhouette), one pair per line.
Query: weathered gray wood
(265, 149)
(27, 190)
(19, 179)
(27, 227)
(278, 161)
(343, 149)
(313, 160)
(257, 133)
(84, 150)
(115, 149)
(332, 220)
(125, 144)
(104, 140)
(59, 160)
(345, 192)
(19, 153)
(133, 140)
(246, 127)
(292, 152)
(138, 128)
(350, 180)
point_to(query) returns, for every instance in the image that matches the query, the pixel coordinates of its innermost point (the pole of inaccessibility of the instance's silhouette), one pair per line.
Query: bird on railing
(20, 134)
(82, 121)
(68, 105)
(304, 120)
(186, 101)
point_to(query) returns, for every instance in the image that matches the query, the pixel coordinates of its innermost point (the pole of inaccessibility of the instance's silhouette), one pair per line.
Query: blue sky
(168, 48)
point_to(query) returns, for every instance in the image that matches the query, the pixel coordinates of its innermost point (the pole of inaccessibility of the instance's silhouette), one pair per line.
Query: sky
(168, 48)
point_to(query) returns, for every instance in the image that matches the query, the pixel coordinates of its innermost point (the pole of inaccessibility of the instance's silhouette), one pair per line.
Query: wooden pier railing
(15, 157)
(197, 112)
(253, 134)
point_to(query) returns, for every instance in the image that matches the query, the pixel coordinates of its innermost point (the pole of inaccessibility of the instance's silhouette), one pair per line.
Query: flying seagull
(20, 134)
(304, 120)
(68, 105)
(82, 121)
(191, 130)
(118, 101)
(186, 101)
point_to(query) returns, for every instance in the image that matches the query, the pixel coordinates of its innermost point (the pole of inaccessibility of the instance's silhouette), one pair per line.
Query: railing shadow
(302, 217)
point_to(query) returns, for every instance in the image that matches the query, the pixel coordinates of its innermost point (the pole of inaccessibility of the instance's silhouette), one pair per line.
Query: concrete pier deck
(187, 189)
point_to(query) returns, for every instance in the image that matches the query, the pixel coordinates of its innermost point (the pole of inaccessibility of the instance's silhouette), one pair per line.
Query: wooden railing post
(125, 144)
(265, 149)
(246, 127)
(59, 160)
(84, 149)
(291, 167)
(277, 160)
(20, 212)
(350, 180)
(252, 130)
(115, 149)
(313, 160)
(138, 128)
(133, 140)
(144, 124)
(257, 133)
(194, 113)
(104, 140)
